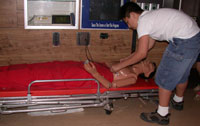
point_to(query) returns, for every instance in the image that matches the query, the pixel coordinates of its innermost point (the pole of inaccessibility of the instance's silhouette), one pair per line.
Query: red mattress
(14, 79)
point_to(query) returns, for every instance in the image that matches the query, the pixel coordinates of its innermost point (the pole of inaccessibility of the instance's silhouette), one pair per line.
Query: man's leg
(198, 66)
(180, 89)
(161, 116)
(177, 101)
(164, 97)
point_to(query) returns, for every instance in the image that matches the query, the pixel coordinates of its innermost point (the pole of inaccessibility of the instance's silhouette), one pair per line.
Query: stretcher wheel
(108, 108)
(108, 112)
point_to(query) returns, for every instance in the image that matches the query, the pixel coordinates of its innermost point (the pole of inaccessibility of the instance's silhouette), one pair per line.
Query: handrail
(61, 80)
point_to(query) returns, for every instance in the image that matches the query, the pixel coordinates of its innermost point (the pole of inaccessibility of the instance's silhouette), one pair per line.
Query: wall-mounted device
(56, 38)
(47, 20)
(61, 19)
(83, 38)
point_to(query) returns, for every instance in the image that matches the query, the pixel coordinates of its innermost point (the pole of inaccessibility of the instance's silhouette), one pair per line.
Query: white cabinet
(51, 14)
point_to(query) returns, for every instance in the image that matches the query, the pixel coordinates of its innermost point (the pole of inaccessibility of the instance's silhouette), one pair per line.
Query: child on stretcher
(125, 76)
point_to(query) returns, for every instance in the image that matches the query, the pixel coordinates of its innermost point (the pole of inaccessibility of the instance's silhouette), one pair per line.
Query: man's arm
(144, 44)
(151, 43)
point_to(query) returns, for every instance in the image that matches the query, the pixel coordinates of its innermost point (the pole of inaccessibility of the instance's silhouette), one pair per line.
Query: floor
(126, 113)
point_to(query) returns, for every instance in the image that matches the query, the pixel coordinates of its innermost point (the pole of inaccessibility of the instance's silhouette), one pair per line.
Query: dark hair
(129, 7)
(152, 73)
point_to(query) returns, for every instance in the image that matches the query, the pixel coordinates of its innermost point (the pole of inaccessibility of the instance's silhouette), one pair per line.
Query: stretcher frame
(62, 102)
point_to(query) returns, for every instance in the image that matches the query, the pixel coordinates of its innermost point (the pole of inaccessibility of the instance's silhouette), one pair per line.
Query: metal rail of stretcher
(61, 103)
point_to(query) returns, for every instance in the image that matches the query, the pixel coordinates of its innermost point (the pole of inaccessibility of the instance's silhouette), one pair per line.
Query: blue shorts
(177, 61)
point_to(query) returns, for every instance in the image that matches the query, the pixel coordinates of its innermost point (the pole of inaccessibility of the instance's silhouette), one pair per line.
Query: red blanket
(18, 77)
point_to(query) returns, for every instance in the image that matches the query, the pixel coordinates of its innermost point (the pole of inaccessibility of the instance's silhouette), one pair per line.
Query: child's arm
(90, 67)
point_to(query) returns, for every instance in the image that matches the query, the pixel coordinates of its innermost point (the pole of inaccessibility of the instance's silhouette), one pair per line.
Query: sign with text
(102, 14)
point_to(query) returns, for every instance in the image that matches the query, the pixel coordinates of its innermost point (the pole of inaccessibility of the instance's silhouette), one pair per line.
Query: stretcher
(59, 86)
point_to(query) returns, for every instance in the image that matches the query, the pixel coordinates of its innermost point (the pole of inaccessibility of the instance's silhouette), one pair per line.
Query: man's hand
(140, 53)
